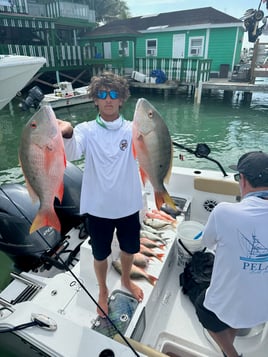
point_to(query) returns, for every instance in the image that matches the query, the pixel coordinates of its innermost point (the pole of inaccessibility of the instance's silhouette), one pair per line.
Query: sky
(235, 8)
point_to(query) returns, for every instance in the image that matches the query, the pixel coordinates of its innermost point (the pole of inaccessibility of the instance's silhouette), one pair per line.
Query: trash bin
(224, 69)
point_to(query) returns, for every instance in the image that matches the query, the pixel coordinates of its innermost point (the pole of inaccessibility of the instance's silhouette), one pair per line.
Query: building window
(151, 47)
(123, 48)
(196, 46)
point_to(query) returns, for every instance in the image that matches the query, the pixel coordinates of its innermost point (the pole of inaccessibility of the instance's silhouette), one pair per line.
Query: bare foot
(134, 289)
(103, 302)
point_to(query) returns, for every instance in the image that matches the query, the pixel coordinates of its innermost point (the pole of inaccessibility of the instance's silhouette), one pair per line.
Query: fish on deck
(135, 272)
(140, 260)
(152, 145)
(156, 223)
(150, 244)
(150, 253)
(152, 236)
(43, 161)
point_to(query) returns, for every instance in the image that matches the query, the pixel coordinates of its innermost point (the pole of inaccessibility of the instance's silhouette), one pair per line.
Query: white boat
(15, 72)
(51, 312)
(64, 96)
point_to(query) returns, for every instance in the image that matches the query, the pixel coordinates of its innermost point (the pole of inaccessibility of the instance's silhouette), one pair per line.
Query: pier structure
(165, 88)
(229, 88)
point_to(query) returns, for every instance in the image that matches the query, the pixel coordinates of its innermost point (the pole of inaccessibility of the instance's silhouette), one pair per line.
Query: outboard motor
(17, 212)
(68, 209)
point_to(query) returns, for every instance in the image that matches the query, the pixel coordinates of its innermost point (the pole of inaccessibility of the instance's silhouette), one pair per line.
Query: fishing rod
(202, 151)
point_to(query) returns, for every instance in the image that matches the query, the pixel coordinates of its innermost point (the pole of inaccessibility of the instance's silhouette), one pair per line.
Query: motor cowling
(16, 215)
(17, 212)
(69, 208)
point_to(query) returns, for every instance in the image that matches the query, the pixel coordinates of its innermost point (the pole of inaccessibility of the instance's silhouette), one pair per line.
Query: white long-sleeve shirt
(238, 292)
(111, 186)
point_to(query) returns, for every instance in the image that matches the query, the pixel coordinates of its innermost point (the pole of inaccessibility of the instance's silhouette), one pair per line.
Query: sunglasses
(102, 94)
(237, 177)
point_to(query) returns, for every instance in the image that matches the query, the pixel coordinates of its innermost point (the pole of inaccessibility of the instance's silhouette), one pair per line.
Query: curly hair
(111, 81)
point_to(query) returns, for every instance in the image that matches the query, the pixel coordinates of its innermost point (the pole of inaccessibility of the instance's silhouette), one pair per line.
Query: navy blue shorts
(207, 318)
(101, 231)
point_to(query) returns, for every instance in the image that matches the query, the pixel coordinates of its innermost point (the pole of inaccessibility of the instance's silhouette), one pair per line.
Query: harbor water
(230, 127)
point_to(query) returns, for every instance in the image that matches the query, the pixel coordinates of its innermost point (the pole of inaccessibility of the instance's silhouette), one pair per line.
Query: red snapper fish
(152, 146)
(43, 161)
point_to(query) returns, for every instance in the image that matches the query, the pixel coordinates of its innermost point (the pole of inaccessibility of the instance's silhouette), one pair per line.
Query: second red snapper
(153, 147)
(43, 161)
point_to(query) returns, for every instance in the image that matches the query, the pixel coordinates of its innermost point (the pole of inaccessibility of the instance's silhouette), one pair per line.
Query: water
(230, 128)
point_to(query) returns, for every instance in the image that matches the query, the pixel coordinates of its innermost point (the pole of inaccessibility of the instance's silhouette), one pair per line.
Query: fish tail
(161, 246)
(45, 218)
(152, 279)
(163, 197)
(160, 256)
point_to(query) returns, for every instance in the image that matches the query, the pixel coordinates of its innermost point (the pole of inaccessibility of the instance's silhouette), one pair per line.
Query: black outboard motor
(17, 212)
(68, 209)
(16, 215)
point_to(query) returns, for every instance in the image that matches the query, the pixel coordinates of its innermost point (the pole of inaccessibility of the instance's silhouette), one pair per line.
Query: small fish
(141, 260)
(135, 272)
(155, 223)
(165, 215)
(152, 146)
(150, 253)
(155, 215)
(152, 236)
(151, 229)
(42, 159)
(150, 244)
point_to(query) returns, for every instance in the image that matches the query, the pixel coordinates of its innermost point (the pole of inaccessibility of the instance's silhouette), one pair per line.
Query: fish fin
(163, 197)
(144, 176)
(45, 218)
(134, 152)
(152, 279)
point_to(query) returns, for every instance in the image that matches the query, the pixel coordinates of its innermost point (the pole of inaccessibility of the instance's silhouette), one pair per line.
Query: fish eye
(150, 114)
(33, 124)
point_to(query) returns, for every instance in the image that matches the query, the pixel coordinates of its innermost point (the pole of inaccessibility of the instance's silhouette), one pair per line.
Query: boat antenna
(74, 276)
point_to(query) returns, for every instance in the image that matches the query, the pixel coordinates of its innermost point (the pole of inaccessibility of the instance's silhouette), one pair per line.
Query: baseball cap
(254, 165)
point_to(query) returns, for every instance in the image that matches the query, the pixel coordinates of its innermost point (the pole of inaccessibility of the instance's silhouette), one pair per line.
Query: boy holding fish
(111, 195)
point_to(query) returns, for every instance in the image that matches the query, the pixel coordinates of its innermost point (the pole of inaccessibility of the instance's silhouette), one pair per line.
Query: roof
(134, 25)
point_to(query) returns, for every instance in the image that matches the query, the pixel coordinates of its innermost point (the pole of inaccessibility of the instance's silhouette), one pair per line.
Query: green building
(188, 45)
(178, 42)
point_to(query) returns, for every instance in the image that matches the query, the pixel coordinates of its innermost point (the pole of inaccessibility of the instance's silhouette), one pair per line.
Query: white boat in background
(15, 72)
(65, 95)
(49, 309)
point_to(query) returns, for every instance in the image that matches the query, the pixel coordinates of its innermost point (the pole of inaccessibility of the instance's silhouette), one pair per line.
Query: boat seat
(230, 188)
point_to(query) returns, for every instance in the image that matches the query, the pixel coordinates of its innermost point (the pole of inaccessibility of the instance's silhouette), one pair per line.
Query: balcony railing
(186, 71)
(62, 56)
(64, 9)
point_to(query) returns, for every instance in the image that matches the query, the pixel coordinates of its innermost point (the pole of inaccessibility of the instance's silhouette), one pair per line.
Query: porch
(63, 58)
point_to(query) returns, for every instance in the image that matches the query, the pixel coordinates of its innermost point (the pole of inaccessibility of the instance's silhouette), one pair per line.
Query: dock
(229, 86)
(163, 87)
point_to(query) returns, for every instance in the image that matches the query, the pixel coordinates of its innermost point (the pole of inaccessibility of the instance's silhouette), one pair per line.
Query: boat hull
(15, 73)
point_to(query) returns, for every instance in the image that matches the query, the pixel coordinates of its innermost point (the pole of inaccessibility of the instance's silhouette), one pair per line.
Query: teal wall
(220, 49)
(222, 45)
